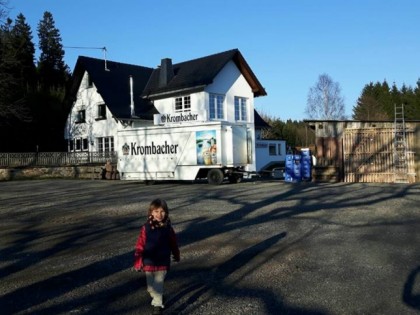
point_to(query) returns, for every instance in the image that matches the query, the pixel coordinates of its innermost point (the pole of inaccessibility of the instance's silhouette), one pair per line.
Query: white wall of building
(231, 83)
(269, 151)
(88, 100)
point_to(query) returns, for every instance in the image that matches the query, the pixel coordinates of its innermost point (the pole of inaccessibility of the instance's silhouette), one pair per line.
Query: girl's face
(158, 214)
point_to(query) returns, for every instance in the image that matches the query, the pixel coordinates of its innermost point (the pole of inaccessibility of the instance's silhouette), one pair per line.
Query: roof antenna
(104, 50)
(101, 48)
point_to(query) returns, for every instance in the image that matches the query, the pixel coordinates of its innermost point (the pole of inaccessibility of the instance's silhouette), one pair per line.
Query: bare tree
(4, 10)
(325, 100)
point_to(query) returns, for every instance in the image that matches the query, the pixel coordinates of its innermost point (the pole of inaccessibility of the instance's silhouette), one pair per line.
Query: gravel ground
(258, 247)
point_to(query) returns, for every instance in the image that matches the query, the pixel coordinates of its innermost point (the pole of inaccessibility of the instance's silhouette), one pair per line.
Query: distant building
(363, 151)
(270, 153)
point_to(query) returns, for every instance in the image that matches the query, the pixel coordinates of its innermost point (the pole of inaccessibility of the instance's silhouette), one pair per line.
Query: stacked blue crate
(306, 163)
(293, 171)
(298, 167)
(288, 174)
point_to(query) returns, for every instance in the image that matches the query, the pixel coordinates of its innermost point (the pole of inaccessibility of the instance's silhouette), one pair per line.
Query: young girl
(156, 242)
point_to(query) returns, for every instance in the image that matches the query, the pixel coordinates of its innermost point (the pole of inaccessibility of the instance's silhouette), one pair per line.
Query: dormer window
(89, 82)
(183, 104)
(101, 112)
(81, 116)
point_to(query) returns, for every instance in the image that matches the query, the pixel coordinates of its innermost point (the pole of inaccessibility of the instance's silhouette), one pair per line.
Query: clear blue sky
(288, 44)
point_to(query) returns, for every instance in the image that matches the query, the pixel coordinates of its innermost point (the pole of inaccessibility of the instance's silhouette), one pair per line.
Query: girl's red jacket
(142, 256)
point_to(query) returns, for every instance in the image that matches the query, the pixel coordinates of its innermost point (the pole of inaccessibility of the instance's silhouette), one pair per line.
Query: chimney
(166, 72)
(131, 97)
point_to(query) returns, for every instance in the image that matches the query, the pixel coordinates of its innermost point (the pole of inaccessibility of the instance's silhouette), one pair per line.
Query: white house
(110, 96)
(102, 103)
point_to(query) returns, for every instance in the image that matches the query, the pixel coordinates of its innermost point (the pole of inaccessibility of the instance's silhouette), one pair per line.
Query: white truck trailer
(215, 151)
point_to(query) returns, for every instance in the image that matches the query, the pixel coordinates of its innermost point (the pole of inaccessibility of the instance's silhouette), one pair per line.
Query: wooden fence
(368, 155)
(56, 158)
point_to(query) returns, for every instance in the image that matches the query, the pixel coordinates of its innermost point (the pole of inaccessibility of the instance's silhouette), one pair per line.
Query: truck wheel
(235, 179)
(215, 176)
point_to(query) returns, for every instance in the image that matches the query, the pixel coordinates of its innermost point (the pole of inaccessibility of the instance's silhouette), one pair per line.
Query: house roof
(111, 80)
(198, 73)
(113, 84)
(259, 122)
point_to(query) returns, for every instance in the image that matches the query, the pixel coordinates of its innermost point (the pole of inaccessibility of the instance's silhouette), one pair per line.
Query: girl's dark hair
(158, 203)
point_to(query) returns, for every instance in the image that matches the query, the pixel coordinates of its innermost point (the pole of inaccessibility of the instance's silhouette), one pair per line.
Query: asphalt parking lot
(258, 247)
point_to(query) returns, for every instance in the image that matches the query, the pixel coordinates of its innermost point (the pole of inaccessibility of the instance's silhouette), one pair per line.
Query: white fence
(55, 158)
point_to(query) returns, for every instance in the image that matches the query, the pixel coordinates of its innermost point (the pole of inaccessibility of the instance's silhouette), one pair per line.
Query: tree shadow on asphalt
(409, 297)
(37, 293)
(215, 284)
(200, 229)
(49, 289)
(32, 257)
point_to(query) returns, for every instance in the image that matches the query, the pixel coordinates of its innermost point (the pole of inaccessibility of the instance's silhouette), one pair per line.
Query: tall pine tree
(17, 78)
(377, 102)
(52, 69)
(416, 105)
(53, 77)
(368, 105)
(8, 81)
(24, 51)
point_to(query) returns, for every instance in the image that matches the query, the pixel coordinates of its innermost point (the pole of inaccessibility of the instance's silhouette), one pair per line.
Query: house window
(78, 144)
(240, 109)
(279, 149)
(272, 149)
(101, 112)
(216, 110)
(85, 145)
(105, 144)
(183, 104)
(89, 81)
(81, 116)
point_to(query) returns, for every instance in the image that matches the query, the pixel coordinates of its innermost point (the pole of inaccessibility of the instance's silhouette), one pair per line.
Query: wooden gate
(368, 155)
